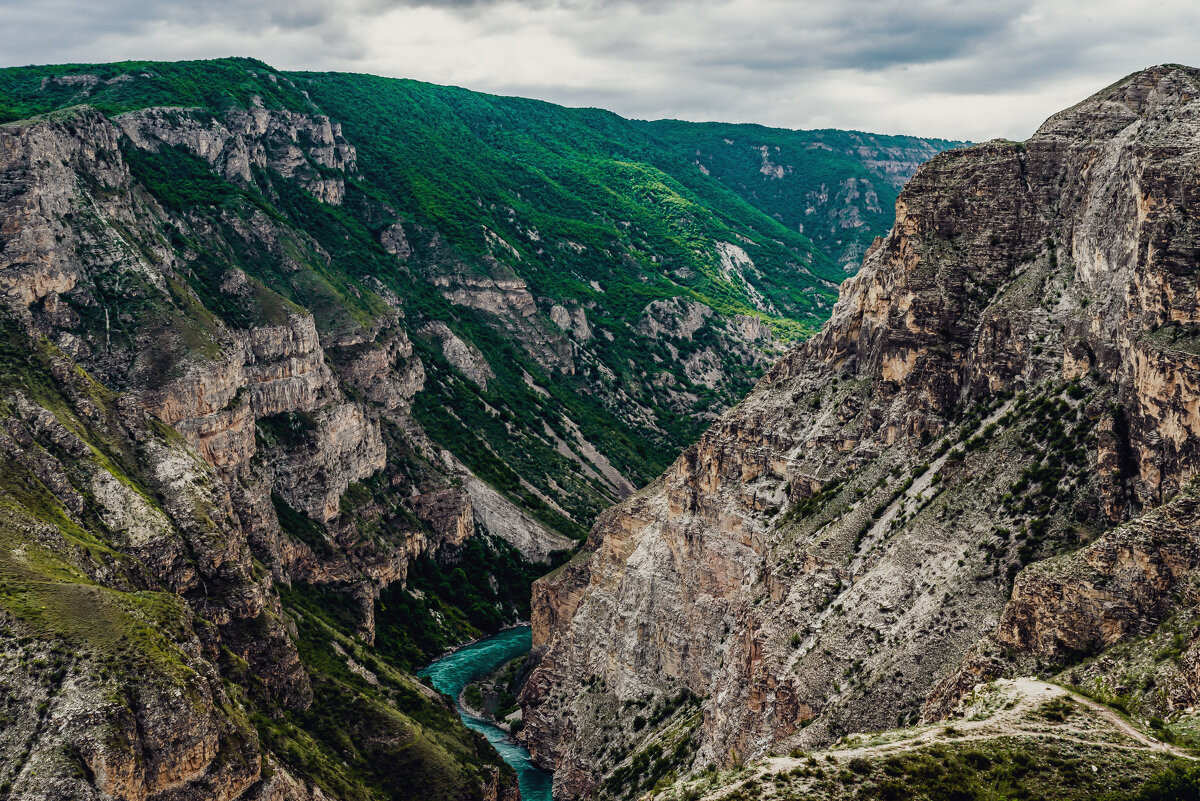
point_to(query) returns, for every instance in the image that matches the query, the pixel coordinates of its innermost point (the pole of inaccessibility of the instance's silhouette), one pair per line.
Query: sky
(958, 70)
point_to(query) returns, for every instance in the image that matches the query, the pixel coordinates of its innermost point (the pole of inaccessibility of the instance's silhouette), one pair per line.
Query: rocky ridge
(1008, 376)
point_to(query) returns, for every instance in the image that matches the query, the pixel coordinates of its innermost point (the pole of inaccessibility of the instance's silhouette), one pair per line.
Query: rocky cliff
(1009, 375)
(150, 652)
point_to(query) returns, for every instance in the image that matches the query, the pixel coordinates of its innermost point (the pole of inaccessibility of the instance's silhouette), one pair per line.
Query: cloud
(929, 67)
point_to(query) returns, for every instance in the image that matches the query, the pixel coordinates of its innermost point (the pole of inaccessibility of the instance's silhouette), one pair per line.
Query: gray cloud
(931, 67)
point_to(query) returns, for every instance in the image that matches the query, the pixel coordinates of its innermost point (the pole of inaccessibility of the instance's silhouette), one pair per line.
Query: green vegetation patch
(487, 588)
(371, 728)
(997, 769)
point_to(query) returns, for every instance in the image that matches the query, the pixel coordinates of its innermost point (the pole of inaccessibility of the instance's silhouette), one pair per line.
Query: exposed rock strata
(284, 142)
(274, 413)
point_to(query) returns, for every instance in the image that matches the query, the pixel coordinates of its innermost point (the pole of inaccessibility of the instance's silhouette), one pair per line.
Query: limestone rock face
(395, 242)
(42, 198)
(1116, 588)
(500, 517)
(152, 448)
(466, 358)
(448, 512)
(384, 372)
(271, 369)
(1120, 587)
(170, 728)
(1013, 369)
(344, 446)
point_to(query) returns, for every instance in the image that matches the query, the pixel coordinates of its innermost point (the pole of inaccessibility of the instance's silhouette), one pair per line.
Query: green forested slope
(838, 188)
(590, 211)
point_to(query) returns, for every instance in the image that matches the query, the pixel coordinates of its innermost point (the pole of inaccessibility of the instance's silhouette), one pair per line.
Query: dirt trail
(1126, 728)
(1027, 696)
(1007, 708)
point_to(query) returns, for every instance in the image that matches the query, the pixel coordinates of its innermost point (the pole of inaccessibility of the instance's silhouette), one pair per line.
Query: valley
(306, 377)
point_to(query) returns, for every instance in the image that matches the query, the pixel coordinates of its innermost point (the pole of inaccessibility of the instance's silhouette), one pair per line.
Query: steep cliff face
(307, 148)
(1008, 375)
(1114, 589)
(1116, 617)
(151, 654)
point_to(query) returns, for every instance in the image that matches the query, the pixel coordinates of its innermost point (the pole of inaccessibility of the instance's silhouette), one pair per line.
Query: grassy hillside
(838, 188)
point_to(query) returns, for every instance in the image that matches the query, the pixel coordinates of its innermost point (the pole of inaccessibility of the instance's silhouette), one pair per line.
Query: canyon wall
(1011, 373)
(142, 514)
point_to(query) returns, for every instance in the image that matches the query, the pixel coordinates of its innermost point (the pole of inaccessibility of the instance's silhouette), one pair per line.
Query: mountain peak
(1011, 375)
(1144, 95)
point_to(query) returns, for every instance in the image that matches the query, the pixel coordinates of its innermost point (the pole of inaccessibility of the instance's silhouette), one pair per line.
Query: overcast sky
(965, 70)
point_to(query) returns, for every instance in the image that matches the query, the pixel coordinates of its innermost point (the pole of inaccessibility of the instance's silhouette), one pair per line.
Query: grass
(46, 550)
(997, 769)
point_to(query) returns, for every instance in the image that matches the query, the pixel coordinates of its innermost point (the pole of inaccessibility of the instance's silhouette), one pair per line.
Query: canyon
(305, 377)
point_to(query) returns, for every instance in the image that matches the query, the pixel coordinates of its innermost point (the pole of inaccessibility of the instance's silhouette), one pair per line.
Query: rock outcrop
(1118, 587)
(1118, 590)
(1011, 372)
(288, 144)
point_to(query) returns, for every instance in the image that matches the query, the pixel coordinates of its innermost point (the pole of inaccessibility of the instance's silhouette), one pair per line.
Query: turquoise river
(453, 672)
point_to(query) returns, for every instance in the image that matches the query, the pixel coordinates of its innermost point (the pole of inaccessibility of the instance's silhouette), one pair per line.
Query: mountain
(305, 377)
(981, 469)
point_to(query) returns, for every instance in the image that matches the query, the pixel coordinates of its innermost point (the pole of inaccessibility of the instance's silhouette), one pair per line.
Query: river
(453, 672)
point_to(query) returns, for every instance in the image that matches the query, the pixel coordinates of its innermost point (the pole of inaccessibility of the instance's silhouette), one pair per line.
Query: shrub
(1179, 782)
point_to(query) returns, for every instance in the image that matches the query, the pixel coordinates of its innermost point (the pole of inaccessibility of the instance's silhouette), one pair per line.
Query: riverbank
(503, 725)
(494, 696)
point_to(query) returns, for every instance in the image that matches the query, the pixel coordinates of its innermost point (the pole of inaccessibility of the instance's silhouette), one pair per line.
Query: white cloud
(931, 67)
